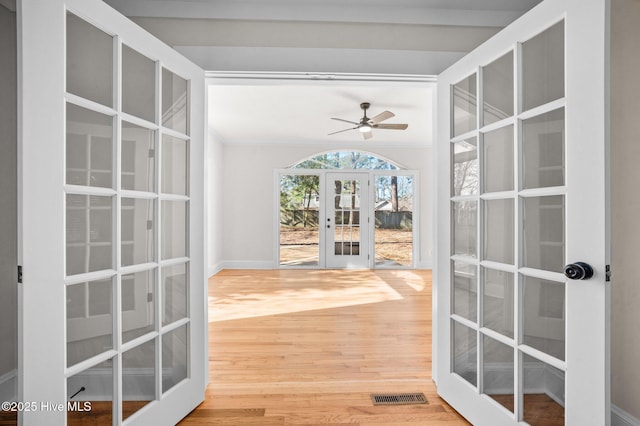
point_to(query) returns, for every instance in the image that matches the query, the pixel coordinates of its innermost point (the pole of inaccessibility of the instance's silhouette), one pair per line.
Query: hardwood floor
(294, 347)
(309, 347)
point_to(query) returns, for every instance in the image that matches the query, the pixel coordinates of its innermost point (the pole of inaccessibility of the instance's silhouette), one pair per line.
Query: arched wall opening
(347, 209)
(244, 197)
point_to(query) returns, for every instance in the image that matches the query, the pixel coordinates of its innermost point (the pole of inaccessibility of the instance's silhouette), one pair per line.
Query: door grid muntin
(473, 328)
(122, 367)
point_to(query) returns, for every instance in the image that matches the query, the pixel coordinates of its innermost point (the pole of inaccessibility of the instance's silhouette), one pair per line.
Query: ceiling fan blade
(346, 121)
(391, 126)
(340, 131)
(382, 116)
(367, 135)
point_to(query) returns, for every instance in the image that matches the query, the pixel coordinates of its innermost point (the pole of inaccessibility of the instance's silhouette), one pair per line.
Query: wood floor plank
(228, 412)
(305, 347)
(309, 347)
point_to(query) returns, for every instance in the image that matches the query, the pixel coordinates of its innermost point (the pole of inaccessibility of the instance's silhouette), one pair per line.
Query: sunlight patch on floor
(409, 278)
(300, 295)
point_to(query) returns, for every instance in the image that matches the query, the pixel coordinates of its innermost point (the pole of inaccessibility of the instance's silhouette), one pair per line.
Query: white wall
(8, 195)
(248, 238)
(215, 172)
(625, 208)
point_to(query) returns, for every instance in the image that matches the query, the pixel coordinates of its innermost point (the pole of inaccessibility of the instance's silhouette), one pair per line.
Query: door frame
(327, 244)
(321, 173)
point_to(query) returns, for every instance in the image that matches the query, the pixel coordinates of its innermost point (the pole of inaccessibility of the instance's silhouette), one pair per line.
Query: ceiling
(301, 113)
(439, 12)
(299, 110)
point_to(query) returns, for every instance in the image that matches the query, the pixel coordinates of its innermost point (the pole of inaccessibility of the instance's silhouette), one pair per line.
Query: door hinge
(149, 224)
(607, 272)
(149, 297)
(152, 153)
(19, 274)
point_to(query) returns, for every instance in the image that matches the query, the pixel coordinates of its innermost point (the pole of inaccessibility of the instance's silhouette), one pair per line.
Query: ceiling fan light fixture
(366, 124)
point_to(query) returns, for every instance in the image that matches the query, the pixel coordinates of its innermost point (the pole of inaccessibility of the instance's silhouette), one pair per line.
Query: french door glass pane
(149, 228)
(89, 319)
(465, 290)
(465, 167)
(544, 232)
(465, 106)
(497, 81)
(523, 150)
(92, 392)
(499, 230)
(465, 227)
(393, 210)
(175, 154)
(138, 230)
(89, 236)
(543, 315)
(138, 297)
(174, 226)
(347, 218)
(89, 148)
(138, 84)
(542, 385)
(498, 371)
(465, 351)
(299, 220)
(543, 79)
(497, 301)
(498, 160)
(543, 150)
(138, 377)
(174, 286)
(347, 240)
(175, 102)
(174, 357)
(89, 61)
(138, 158)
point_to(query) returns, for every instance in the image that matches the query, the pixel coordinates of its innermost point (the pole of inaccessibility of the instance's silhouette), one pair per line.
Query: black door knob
(578, 271)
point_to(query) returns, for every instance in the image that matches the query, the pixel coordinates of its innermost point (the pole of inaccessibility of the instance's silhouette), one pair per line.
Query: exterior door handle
(578, 271)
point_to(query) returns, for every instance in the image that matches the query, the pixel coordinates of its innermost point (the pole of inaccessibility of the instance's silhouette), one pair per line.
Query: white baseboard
(267, 264)
(424, 265)
(247, 264)
(619, 417)
(98, 382)
(214, 269)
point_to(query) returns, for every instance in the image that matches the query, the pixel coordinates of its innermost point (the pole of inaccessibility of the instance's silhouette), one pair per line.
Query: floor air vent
(398, 398)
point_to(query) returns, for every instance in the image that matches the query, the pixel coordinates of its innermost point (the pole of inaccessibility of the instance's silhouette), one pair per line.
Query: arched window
(346, 160)
(349, 208)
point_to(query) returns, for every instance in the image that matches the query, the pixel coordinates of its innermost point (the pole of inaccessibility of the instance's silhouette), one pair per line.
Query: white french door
(347, 220)
(113, 298)
(522, 207)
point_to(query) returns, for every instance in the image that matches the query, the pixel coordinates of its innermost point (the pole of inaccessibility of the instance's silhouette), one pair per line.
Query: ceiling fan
(366, 124)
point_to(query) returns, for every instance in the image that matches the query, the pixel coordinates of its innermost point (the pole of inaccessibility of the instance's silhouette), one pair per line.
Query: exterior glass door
(117, 271)
(347, 220)
(515, 329)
